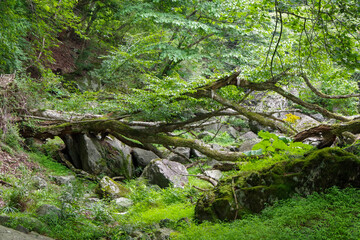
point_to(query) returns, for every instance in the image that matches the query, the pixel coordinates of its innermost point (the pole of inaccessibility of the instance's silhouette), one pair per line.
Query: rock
(39, 182)
(320, 170)
(232, 132)
(212, 162)
(63, 180)
(164, 173)
(215, 174)
(163, 233)
(95, 156)
(257, 127)
(248, 145)
(226, 166)
(178, 158)
(204, 134)
(118, 158)
(4, 219)
(196, 154)
(124, 202)
(166, 223)
(11, 234)
(47, 209)
(109, 188)
(319, 117)
(142, 158)
(304, 122)
(36, 224)
(248, 136)
(21, 228)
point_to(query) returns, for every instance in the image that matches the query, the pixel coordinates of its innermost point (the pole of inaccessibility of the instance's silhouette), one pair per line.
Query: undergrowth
(331, 215)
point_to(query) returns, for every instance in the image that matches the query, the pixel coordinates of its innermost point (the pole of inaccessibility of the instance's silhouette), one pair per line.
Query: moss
(318, 171)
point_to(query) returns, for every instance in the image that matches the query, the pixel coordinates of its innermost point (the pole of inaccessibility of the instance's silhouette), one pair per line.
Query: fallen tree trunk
(121, 130)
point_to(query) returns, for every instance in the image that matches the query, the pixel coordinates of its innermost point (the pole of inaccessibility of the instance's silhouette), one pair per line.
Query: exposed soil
(11, 165)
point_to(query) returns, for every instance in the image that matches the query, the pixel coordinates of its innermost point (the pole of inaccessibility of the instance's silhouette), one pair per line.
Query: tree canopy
(183, 61)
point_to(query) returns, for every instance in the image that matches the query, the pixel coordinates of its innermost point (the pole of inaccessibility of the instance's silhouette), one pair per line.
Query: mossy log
(121, 131)
(250, 192)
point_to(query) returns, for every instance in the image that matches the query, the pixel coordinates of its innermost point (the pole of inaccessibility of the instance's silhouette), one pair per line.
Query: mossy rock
(108, 188)
(250, 192)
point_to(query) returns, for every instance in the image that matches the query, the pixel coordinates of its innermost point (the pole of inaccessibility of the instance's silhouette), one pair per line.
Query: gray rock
(21, 228)
(109, 188)
(178, 158)
(248, 136)
(205, 134)
(4, 219)
(212, 162)
(39, 182)
(215, 174)
(319, 117)
(248, 145)
(232, 132)
(164, 173)
(46, 209)
(124, 202)
(11, 234)
(163, 233)
(110, 156)
(196, 154)
(142, 158)
(63, 180)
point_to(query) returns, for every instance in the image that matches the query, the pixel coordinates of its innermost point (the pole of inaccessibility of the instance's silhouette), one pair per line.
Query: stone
(196, 154)
(248, 145)
(107, 187)
(163, 172)
(319, 117)
(316, 172)
(124, 202)
(39, 182)
(11, 234)
(99, 156)
(4, 219)
(63, 180)
(178, 158)
(204, 134)
(248, 136)
(47, 209)
(304, 122)
(118, 158)
(215, 174)
(36, 224)
(21, 228)
(163, 233)
(232, 132)
(141, 157)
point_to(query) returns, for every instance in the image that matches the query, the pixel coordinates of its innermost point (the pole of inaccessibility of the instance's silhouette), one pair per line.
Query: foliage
(272, 144)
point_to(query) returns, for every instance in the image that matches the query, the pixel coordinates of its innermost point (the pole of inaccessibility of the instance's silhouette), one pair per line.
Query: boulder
(215, 174)
(99, 156)
(63, 180)
(47, 209)
(39, 182)
(320, 170)
(11, 234)
(123, 202)
(204, 134)
(163, 172)
(111, 189)
(178, 158)
(141, 157)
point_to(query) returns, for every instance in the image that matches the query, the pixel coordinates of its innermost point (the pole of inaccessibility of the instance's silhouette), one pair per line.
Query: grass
(52, 167)
(331, 215)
